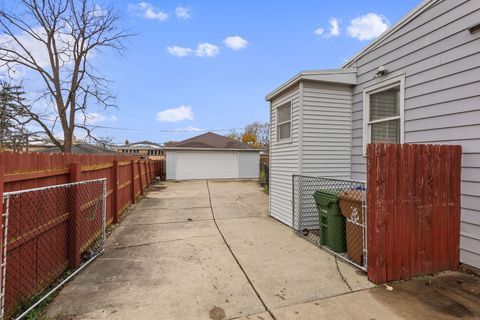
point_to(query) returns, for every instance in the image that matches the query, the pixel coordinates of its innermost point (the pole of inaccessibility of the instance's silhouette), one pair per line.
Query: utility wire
(166, 131)
(151, 130)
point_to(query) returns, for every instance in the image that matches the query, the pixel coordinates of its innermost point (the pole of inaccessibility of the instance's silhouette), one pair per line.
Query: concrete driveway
(208, 250)
(169, 259)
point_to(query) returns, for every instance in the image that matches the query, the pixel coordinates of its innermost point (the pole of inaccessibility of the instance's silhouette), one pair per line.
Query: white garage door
(206, 165)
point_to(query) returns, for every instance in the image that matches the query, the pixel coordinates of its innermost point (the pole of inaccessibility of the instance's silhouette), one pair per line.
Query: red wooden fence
(33, 170)
(413, 211)
(127, 179)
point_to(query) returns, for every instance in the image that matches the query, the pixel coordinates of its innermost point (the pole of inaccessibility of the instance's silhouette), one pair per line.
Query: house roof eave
(343, 76)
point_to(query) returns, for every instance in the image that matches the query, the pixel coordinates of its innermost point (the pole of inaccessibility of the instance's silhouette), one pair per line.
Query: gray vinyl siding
(441, 63)
(326, 137)
(283, 159)
(248, 165)
(171, 157)
(327, 130)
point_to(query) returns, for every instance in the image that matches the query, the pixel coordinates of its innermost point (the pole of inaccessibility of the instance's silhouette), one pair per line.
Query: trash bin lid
(325, 197)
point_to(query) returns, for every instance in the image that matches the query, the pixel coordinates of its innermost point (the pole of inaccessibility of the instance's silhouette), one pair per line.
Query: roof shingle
(211, 140)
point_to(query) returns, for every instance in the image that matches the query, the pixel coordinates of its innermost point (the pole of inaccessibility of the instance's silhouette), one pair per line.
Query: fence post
(147, 178)
(73, 221)
(140, 176)
(115, 191)
(132, 185)
(149, 172)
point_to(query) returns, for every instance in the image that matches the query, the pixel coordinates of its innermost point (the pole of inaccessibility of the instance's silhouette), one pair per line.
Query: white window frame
(277, 124)
(389, 83)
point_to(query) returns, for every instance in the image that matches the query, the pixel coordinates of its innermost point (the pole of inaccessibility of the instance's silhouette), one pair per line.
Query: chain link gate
(331, 213)
(49, 235)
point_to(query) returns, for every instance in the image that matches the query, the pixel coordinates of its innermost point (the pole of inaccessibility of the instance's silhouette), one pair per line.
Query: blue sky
(225, 88)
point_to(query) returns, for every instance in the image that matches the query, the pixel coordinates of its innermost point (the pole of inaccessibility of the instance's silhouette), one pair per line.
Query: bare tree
(66, 34)
(104, 142)
(234, 134)
(260, 130)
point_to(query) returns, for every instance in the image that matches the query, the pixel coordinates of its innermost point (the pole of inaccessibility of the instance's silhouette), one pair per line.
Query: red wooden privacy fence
(127, 179)
(413, 206)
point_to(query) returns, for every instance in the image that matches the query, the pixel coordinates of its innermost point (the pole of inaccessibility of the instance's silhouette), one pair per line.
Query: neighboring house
(38, 145)
(417, 83)
(80, 148)
(148, 149)
(211, 156)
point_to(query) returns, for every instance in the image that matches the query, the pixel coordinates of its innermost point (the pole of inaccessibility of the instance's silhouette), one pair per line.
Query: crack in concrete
(341, 275)
(155, 208)
(184, 221)
(236, 259)
(165, 222)
(159, 242)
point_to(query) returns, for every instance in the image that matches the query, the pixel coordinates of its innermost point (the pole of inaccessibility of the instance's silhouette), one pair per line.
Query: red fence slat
(413, 211)
(31, 170)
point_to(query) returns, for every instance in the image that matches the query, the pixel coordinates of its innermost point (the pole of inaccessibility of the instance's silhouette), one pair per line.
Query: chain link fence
(331, 213)
(49, 234)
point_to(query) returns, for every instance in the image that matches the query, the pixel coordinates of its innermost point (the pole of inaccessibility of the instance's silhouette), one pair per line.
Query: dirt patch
(158, 187)
(445, 296)
(217, 313)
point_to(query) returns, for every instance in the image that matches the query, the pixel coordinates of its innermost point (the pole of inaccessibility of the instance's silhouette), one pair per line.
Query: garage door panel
(206, 165)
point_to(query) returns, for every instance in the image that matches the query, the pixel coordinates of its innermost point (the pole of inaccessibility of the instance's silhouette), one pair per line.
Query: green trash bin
(332, 222)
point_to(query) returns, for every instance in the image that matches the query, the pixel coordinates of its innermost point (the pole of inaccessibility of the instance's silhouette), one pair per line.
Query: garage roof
(211, 141)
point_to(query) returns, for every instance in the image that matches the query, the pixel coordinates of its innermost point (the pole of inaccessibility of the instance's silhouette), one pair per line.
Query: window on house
(284, 122)
(383, 113)
(384, 119)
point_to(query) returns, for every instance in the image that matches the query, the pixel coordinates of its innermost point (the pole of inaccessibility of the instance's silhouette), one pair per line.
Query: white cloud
(148, 11)
(334, 28)
(190, 129)
(175, 114)
(319, 31)
(202, 50)
(236, 42)
(179, 51)
(95, 117)
(206, 50)
(182, 13)
(30, 45)
(37, 48)
(368, 26)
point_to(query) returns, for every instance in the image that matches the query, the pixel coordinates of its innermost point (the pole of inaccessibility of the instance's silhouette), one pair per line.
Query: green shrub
(262, 177)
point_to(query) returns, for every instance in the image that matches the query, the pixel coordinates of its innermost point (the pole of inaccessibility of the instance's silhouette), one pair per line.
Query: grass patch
(262, 178)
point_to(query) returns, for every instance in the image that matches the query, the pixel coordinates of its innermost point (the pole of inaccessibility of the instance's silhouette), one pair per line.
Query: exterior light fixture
(380, 72)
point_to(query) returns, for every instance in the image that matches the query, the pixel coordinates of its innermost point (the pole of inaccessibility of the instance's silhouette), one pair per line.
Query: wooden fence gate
(413, 206)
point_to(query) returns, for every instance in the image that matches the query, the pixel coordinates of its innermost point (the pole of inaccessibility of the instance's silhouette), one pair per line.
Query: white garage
(211, 156)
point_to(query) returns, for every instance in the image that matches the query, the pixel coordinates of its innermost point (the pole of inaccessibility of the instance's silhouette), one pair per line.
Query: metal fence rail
(49, 234)
(331, 213)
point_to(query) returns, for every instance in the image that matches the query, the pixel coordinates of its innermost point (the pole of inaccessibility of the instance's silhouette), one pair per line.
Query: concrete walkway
(208, 250)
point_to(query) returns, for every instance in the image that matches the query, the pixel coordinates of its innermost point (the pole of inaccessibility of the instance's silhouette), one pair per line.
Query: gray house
(417, 83)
